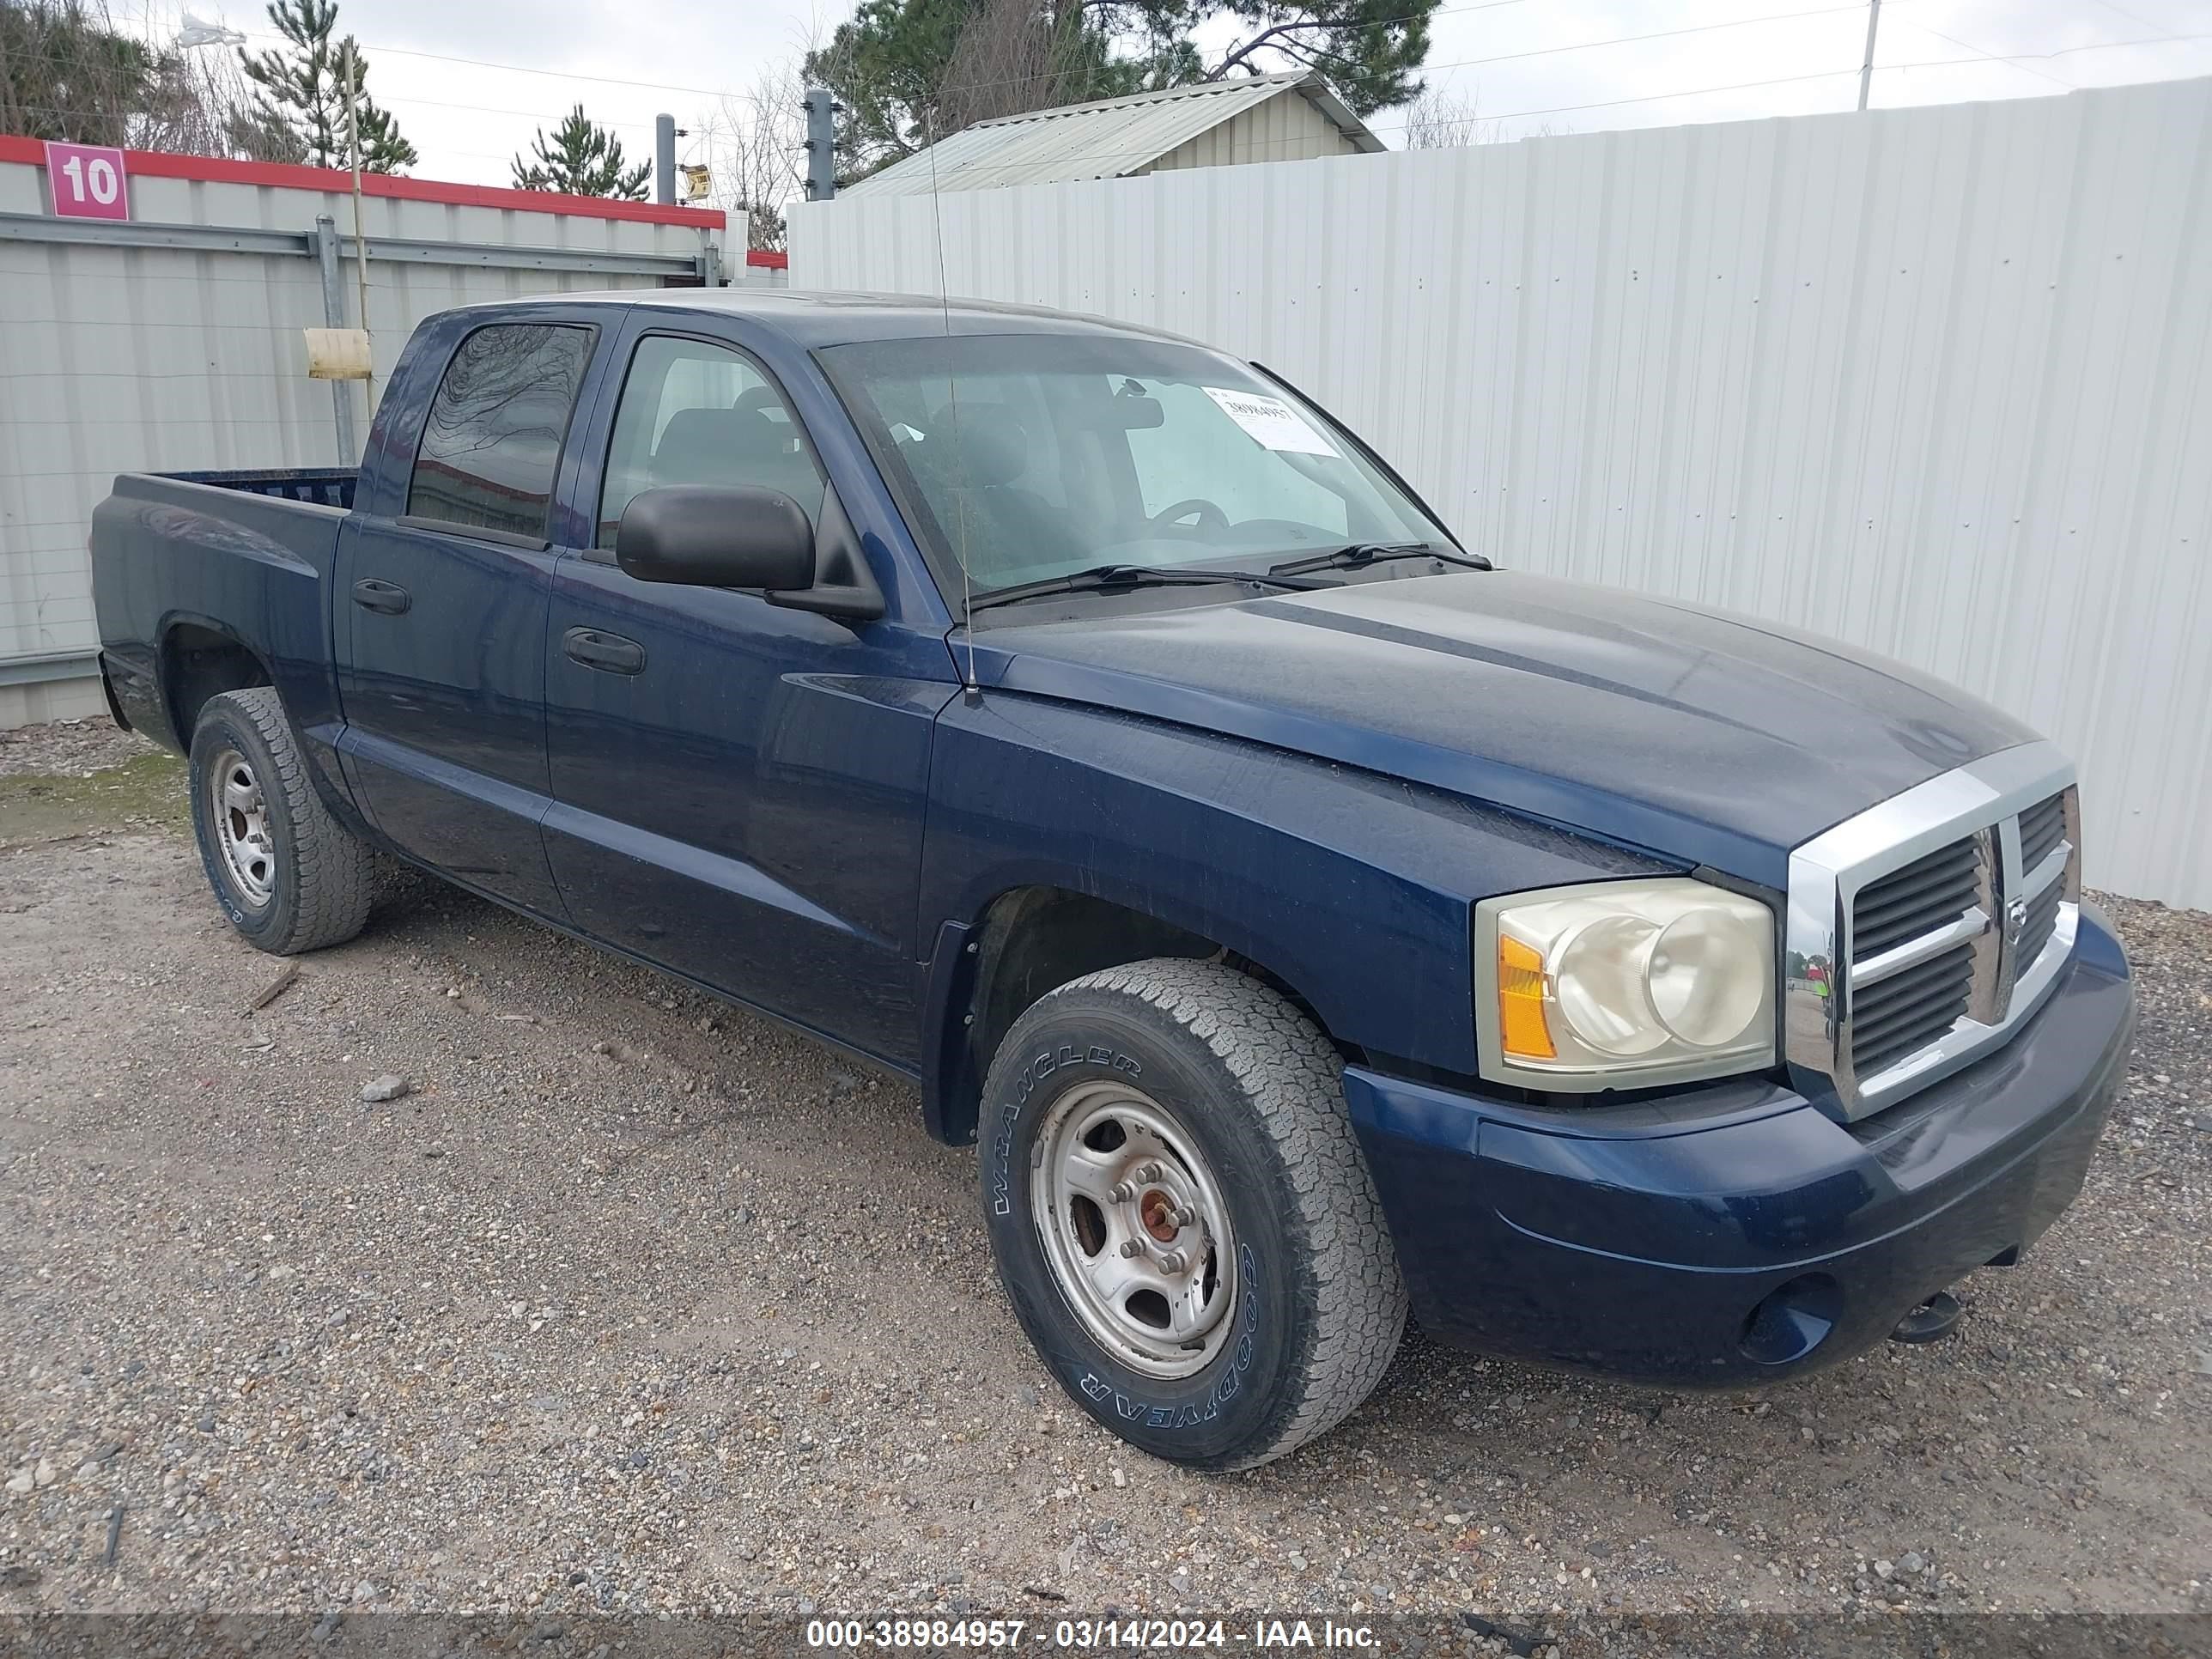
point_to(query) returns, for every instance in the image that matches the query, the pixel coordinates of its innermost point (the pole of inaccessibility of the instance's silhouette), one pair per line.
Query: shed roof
(1110, 138)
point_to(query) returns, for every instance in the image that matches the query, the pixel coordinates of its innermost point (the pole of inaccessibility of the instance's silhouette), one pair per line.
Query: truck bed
(189, 568)
(324, 486)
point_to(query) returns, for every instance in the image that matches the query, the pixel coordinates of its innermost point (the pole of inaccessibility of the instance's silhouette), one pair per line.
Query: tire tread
(1291, 1076)
(334, 872)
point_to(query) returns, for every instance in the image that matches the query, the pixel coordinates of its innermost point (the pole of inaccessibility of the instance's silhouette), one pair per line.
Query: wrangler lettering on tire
(1181, 1214)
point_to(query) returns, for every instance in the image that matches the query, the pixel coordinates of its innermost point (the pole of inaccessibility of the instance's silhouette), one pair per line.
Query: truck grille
(1952, 908)
(1911, 1007)
(2042, 827)
(1925, 895)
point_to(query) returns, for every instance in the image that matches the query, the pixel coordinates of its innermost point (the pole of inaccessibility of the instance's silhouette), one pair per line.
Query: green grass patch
(144, 793)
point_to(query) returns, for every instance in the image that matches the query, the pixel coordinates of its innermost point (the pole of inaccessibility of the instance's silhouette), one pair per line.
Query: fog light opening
(1790, 1322)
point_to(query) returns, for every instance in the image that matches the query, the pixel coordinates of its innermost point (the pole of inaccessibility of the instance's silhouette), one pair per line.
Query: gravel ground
(68, 748)
(632, 1301)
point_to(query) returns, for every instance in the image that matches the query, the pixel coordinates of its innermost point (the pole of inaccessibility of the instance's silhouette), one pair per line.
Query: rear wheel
(1181, 1214)
(289, 875)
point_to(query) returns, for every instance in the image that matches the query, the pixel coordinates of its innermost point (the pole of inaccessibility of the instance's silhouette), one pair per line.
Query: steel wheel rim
(239, 812)
(1135, 1229)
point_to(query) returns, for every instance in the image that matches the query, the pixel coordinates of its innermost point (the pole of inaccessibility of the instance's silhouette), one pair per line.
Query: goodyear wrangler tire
(1181, 1214)
(289, 876)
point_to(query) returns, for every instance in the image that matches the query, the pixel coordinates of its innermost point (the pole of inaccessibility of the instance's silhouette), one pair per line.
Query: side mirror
(716, 536)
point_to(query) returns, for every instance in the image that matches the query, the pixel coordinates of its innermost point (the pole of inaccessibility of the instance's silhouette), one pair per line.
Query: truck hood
(1707, 738)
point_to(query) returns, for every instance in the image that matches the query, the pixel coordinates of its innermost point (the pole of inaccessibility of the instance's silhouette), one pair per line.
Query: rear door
(442, 585)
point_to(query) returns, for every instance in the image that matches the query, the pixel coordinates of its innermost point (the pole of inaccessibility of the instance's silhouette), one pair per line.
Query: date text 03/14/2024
(1079, 1634)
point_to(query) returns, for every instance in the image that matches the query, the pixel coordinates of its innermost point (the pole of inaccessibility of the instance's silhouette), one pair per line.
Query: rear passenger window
(692, 413)
(493, 437)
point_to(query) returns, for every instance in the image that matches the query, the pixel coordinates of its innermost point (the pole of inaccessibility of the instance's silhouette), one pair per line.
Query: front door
(738, 788)
(442, 597)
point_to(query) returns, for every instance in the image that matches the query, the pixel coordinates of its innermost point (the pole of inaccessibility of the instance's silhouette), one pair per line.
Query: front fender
(1353, 889)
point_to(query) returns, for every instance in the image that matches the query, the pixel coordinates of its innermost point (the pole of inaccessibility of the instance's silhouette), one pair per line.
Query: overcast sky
(1569, 66)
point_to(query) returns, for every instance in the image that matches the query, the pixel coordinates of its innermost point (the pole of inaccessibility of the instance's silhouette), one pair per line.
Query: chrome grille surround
(1983, 803)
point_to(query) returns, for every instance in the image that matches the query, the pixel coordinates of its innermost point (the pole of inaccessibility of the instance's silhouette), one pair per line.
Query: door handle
(610, 652)
(387, 598)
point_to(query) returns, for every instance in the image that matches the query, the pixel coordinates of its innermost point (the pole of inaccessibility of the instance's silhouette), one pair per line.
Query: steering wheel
(1210, 517)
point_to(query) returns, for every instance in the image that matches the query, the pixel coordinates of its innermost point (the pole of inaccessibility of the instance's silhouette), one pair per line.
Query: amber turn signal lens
(1521, 1025)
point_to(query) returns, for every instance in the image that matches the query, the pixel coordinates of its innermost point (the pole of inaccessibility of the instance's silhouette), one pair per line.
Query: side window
(492, 440)
(692, 413)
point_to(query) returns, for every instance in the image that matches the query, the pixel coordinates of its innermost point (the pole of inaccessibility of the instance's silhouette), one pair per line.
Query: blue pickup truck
(1308, 921)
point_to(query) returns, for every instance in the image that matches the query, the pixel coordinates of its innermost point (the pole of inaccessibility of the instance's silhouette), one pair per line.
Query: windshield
(1023, 457)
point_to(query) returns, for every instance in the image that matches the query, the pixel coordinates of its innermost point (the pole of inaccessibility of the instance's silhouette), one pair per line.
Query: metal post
(710, 260)
(821, 144)
(1866, 69)
(664, 159)
(326, 256)
(360, 244)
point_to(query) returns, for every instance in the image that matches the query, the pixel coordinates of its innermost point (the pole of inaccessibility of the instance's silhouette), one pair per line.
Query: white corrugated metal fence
(1933, 381)
(119, 355)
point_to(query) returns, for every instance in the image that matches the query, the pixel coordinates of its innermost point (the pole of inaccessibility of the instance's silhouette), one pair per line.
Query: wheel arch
(201, 658)
(1024, 942)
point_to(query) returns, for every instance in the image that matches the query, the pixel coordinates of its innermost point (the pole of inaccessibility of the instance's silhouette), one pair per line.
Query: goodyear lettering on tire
(1225, 1388)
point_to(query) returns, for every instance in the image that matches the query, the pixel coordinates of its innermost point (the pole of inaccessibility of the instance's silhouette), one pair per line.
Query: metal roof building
(1259, 118)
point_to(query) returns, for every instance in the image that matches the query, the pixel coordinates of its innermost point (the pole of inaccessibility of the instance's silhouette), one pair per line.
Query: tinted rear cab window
(491, 442)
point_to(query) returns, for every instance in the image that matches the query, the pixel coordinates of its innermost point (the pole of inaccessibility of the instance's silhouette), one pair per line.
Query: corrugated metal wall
(1933, 381)
(119, 359)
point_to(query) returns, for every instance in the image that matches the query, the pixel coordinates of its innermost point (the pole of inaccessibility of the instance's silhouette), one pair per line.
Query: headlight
(1623, 984)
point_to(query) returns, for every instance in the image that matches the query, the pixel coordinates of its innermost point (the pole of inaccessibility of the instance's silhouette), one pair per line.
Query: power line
(2011, 58)
(1686, 92)
(1611, 103)
(1700, 92)
(969, 86)
(2132, 16)
(705, 92)
(2020, 60)
(1660, 35)
(1512, 57)
(2044, 75)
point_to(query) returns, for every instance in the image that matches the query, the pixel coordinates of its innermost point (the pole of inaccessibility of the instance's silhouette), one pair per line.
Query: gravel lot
(632, 1301)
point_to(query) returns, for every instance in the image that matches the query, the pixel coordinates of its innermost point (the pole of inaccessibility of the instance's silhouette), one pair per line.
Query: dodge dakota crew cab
(1308, 921)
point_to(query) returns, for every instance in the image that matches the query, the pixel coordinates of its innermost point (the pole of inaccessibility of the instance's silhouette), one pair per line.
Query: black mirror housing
(716, 536)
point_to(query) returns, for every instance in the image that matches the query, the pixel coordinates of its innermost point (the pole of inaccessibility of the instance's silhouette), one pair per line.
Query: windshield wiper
(1104, 578)
(1357, 555)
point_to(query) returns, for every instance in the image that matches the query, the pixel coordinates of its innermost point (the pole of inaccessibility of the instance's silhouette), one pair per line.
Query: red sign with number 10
(87, 182)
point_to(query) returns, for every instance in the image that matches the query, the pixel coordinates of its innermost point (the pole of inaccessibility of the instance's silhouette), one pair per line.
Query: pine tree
(303, 91)
(581, 158)
(383, 148)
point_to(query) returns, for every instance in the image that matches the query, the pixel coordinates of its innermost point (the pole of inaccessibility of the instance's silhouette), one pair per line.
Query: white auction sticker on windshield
(1271, 422)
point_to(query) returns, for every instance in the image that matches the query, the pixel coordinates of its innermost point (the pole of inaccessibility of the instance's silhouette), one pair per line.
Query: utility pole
(821, 144)
(664, 159)
(1866, 69)
(360, 242)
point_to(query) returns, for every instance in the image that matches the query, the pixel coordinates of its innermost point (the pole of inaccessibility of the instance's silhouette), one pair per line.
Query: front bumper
(1736, 1233)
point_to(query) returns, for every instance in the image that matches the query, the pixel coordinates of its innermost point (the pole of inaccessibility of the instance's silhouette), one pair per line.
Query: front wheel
(1181, 1214)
